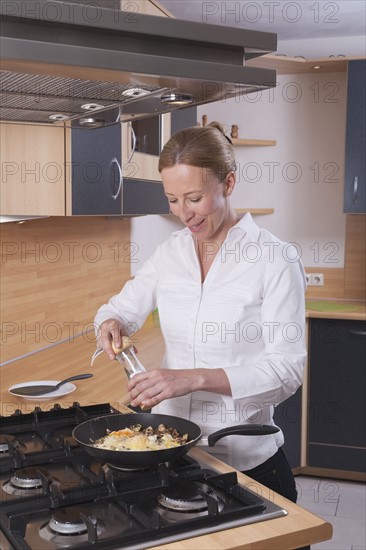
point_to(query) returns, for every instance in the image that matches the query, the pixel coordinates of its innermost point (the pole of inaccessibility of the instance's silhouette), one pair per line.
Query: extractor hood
(64, 60)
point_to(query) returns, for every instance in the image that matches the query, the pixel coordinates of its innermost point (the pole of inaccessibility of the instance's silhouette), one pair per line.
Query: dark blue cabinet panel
(143, 197)
(183, 118)
(96, 174)
(355, 161)
(337, 389)
(98, 187)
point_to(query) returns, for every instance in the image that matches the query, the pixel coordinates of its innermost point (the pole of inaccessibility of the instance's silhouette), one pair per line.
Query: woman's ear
(230, 181)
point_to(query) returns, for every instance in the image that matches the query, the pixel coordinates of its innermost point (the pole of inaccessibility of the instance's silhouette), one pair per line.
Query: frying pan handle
(242, 429)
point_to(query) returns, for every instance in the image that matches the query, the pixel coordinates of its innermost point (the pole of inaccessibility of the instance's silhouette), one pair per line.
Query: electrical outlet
(317, 279)
(314, 279)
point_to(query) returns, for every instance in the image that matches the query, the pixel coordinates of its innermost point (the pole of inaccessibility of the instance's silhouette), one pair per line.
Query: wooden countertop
(73, 357)
(298, 528)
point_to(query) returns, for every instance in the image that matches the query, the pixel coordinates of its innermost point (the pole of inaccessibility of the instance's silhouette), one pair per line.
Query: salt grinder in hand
(127, 357)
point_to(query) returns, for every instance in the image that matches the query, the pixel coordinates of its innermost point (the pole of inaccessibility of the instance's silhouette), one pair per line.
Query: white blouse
(247, 317)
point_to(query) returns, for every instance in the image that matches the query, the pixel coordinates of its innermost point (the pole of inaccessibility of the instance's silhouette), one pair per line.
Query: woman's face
(200, 200)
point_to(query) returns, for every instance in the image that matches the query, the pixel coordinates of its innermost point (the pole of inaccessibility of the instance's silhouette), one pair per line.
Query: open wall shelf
(253, 142)
(254, 211)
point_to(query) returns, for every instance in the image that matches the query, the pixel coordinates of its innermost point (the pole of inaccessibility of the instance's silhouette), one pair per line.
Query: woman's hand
(110, 331)
(150, 388)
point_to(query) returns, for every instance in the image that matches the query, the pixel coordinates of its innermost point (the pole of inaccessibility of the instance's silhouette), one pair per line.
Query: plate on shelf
(65, 389)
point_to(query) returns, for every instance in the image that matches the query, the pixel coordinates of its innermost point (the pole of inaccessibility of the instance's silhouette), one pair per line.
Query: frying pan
(88, 432)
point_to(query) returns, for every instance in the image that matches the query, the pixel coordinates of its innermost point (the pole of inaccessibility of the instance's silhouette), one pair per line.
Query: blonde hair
(205, 147)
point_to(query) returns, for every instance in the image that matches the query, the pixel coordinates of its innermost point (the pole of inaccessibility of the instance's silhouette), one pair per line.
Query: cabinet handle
(134, 141)
(115, 161)
(358, 332)
(355, 189)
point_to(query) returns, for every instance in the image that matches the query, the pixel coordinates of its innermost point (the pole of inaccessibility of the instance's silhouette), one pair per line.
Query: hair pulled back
(205, 147)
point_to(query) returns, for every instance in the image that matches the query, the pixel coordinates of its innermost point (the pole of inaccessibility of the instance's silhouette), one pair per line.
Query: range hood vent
(60, 62)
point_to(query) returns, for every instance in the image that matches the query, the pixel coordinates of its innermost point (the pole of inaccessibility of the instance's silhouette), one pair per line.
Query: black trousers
(276, 474)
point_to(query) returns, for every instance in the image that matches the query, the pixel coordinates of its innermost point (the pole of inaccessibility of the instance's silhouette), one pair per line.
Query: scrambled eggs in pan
(137, 438)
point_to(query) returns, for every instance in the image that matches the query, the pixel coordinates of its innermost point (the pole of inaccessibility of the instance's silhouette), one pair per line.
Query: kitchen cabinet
(104, 182)
(285, 64)
(183, 118)
(337, 387)
(32, 170)
(355, 162)
(142, 142)
(96, 171)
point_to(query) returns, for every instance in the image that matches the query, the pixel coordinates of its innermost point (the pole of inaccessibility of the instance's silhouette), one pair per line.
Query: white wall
(301, 177)
(147, 232)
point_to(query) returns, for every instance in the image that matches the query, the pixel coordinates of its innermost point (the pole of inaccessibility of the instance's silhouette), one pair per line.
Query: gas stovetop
(54, 495)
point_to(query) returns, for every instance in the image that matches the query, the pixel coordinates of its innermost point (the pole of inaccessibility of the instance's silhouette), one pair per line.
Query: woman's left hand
(150, 388)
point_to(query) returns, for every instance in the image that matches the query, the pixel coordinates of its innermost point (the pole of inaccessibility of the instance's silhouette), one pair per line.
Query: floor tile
(330, 545)
(352, 501)
(320, 496)
(341, 503)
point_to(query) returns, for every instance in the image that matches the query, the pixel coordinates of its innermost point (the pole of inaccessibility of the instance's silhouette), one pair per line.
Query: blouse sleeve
(278, 374)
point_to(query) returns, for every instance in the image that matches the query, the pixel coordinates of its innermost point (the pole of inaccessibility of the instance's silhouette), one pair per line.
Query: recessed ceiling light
(58, 116)
(177, 99)
(92, 106)
(135, 92)
(316, 67)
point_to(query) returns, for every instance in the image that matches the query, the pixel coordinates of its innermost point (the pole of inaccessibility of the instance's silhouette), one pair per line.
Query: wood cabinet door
(32, 170)
(355, 161)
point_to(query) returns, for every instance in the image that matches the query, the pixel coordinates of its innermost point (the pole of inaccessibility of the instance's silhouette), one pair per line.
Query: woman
(231, 307)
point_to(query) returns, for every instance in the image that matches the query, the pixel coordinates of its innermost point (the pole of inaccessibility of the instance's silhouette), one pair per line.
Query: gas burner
(68, 521)
(27, 478)
(66, 524)
(25, 482)
(4, 442)
(186, 498)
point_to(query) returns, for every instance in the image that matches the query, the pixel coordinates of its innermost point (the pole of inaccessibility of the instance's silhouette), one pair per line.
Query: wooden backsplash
(355, 259)
(55, 273)
(347, 282)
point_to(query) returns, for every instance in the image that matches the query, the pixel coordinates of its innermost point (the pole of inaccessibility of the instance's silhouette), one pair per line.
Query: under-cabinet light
(177, 99)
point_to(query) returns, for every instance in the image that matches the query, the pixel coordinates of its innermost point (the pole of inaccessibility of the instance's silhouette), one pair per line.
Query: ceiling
(312, 29)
